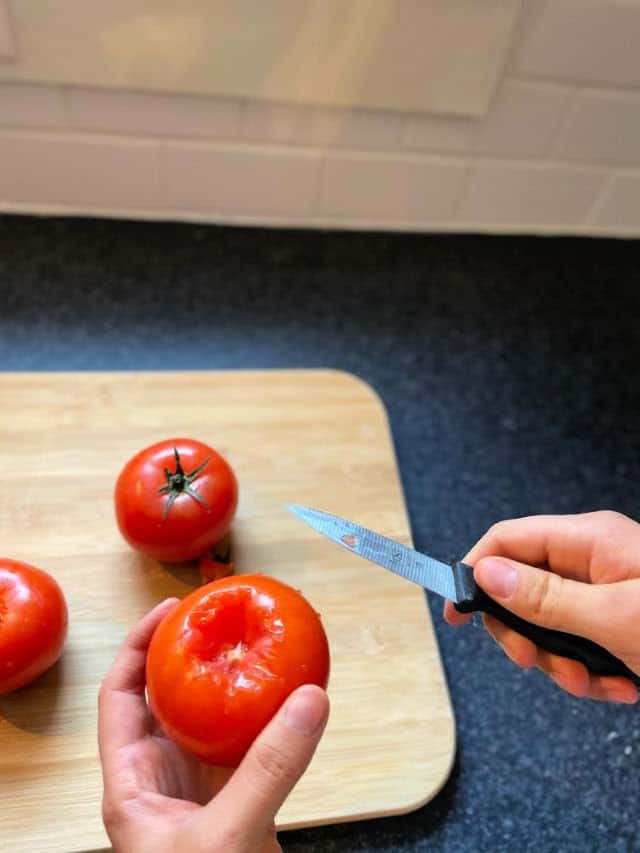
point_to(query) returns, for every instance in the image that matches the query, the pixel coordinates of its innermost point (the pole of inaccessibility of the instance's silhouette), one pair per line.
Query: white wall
(413, 55)
(557, 152)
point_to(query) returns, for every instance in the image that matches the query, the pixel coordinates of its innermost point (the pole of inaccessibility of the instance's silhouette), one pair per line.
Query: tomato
(175, 499)
(33, 623)
(221, 664)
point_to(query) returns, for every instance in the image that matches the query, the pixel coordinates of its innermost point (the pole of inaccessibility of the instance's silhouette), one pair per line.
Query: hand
(591, 587)
(157, 798)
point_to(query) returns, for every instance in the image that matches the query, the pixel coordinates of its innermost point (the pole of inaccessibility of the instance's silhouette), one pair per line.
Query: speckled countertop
(509, 368)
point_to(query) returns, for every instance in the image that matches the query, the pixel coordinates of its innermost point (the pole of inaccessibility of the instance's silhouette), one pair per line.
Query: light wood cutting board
(313, 437)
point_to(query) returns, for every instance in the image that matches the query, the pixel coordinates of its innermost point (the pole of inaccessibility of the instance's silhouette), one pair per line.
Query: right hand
(573, 573)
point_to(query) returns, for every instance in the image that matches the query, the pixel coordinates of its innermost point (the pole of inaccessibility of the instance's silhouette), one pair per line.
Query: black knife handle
(597, 659)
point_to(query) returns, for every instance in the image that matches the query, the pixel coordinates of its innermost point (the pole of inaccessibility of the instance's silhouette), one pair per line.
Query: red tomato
(220, 665)
(33, 623)
(175, 499)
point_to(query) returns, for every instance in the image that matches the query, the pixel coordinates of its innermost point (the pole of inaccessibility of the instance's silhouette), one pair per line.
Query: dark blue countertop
(509, 368)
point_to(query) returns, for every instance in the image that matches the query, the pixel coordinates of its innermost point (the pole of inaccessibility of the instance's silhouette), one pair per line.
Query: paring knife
(456, 583)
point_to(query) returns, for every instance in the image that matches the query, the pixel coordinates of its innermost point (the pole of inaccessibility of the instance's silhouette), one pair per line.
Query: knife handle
(596, 658)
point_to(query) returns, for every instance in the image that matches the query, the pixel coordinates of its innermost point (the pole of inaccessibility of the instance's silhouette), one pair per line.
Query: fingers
(122, 710)
(569, 675)
(604, 613)
(613, 690)
(453, 617)
(517, 648)
(549, 600)
(274, 764)
(573, 545)
(566, 542)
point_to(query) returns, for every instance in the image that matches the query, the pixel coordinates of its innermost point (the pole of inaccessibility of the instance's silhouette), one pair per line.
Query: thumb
(548, 599)
(276, 761)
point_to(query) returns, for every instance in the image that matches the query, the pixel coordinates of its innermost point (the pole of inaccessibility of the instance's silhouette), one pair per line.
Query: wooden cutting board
(312, 437)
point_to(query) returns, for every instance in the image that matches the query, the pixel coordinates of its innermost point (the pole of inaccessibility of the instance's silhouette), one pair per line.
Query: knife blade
(409, 564)
(455, 581)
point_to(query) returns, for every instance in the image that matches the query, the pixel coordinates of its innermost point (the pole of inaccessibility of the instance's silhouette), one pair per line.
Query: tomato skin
(191, 526)
(221, 664)
(33, 623)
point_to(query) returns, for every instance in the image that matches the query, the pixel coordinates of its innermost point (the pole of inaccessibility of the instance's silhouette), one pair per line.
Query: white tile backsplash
(364, 187)
(439, 133)
(29, 105)
(589, 41)
(150, 113)
(619, 206)
(66, 170)
(7, 36)
(264, 121)
(240, 180)
(435, 188)
(523, 120)
(604, 127)
(508, 193)
(301, 125)
(556, 151)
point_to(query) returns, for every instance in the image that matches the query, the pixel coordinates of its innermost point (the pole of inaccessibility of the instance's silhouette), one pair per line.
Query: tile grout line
(385, 155)
(319, 183)
(64, 99)
(598, 201)
(560, 132)
(465, 183)
(589, 86)
(527, 15)
(163, 174)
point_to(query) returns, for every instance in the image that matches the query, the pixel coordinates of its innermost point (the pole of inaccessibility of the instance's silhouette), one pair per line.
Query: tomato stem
(178, 482)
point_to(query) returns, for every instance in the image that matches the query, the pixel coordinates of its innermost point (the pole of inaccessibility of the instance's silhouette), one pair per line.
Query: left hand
(157, 798)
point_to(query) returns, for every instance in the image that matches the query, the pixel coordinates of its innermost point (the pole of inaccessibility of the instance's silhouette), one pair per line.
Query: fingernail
(562, 681)
(622, 697)
(497, 577)
(305, 711)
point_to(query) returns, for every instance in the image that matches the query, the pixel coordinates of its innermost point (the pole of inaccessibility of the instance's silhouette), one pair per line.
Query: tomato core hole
(232, 655)
(226, 633)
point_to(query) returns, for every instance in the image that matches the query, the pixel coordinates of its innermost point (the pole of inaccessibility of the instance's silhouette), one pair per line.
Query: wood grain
(313, 437)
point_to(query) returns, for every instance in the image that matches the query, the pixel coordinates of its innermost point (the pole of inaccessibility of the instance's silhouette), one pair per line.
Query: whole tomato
(33, 623)
(175, 499)
(220, 665)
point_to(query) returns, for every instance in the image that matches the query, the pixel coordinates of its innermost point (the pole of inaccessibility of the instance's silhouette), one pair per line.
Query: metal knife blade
(457, 583)
(412, 565)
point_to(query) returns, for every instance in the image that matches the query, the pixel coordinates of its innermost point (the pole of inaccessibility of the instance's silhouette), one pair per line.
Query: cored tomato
(175, 499)
(33, 623)
(220, 665)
